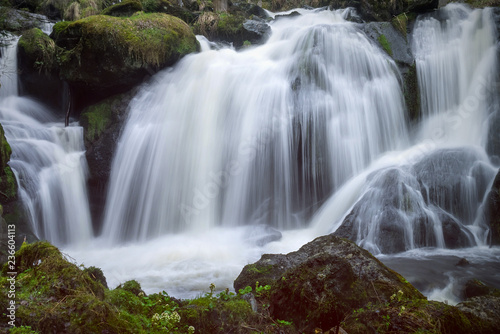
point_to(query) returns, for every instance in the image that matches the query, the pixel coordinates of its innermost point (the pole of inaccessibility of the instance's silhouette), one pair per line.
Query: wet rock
(124, 8)
(493, 211)
(18, 20)
(462, 262)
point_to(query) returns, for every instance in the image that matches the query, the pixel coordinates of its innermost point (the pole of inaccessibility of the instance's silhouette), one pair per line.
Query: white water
(266, 135)
(48, 161)
(261, 136)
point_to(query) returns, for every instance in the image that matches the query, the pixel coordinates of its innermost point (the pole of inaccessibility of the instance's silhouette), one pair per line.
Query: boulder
(18, 20)
(322, 282)
(106, 55)
(39, 75)
(234, 26)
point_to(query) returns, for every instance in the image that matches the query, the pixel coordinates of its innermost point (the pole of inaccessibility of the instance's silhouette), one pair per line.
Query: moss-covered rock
(231, 27)
(318, 285)
(124, 8)
(55, 296)
(104, 52)
(37, 57)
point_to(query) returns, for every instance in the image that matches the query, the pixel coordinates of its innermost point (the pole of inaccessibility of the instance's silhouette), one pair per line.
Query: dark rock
(462, 262)
(97, 275)
(322, 282)
(291, 14)
(476, 288)
(18, 20)
(250, 10)
(102, 124)
(231, 28)
(400, 49)
(455, 236)
(492, 211)
(258, 30)
(124, 8)
(39, 75)
(484, 312)
(171, 8)
(8, 184)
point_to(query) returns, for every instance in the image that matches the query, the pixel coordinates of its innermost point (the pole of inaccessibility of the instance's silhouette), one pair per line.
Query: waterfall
(260, 136)
(48, 161)
(432, 193)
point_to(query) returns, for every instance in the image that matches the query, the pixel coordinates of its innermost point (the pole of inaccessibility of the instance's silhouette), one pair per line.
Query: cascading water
(48, 161)
(268, 134)
(261, 136)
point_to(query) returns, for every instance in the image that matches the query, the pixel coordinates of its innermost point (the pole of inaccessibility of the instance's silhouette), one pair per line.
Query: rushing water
(261, 136)
(230, 154)
(47, 159)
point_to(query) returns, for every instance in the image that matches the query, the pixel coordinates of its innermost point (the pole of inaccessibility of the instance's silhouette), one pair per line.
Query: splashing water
(48, 161)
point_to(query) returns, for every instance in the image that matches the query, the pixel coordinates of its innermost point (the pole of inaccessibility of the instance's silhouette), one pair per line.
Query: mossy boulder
(37, 57)
(108, 53)
(124, 8)
(322, 282)
(70, 10)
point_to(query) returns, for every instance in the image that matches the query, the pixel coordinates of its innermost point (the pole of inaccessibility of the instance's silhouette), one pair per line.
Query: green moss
(483, 3)
(95, 120)
(229, 24)
(384, 43)
(411, 93)
(37, 50)
(127, 47)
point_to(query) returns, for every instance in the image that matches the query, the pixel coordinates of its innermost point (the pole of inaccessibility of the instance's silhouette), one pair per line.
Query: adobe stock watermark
(218, 181)
(11, 275)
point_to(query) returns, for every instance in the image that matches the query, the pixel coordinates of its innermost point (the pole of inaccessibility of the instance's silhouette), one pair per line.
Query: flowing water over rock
(261, 136)
(48, 161)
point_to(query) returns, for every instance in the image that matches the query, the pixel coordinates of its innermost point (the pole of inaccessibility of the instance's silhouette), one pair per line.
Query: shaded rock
(385, 10)
(484, 313)
(171, 8)
(462, 262)
(124, 8)
(39, 75)
(399, 48)
(104, 54)
(102, 124)
(318, 285)
(18, 20)
(476, 288)
(454, 235)
(97, 275)
(8, 184)
(250, 10)
(232, 27)
(492, 211)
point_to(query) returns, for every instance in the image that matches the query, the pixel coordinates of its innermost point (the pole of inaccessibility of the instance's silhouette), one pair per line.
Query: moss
(229, 24)
(124, 8)
(127, 47)
(37, 51)
(384, 43)
(95, 120)
(411, 93)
